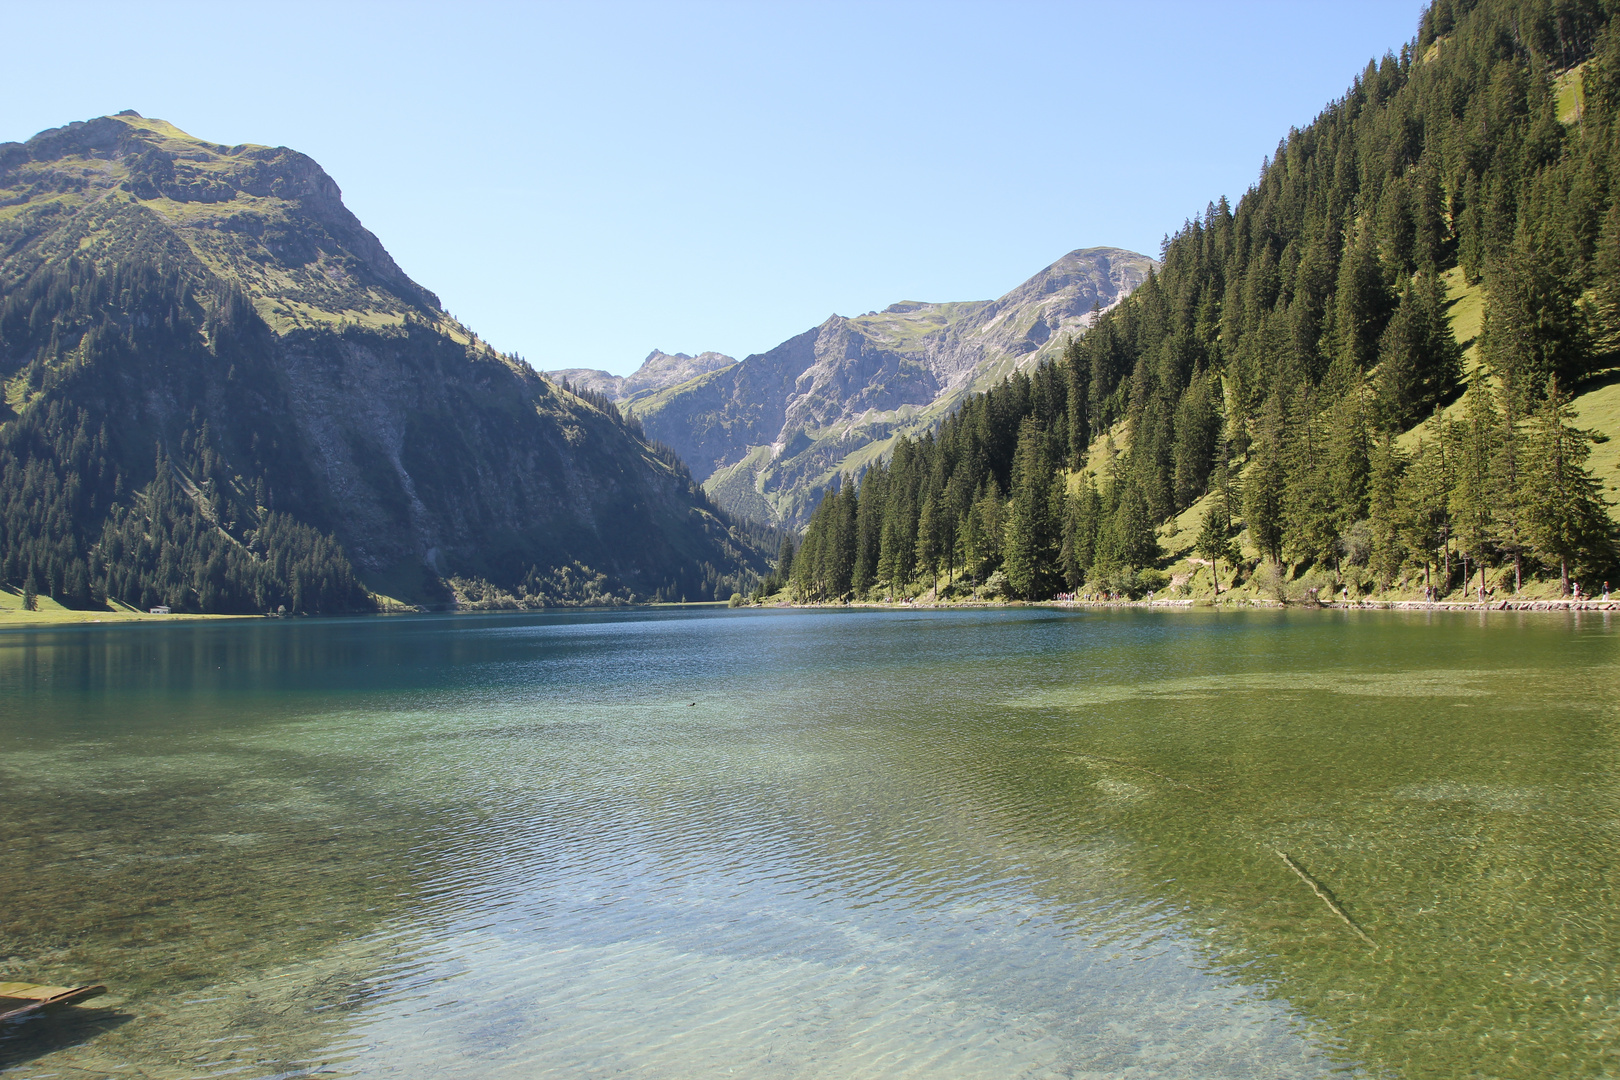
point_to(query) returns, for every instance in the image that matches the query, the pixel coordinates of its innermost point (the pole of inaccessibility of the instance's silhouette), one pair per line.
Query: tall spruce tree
(1507, 491)
(1386, 466)
(1030, 546)
(1081, 519)
(1419, 362)
(1136, 542)
(1425, 502)
(1216, 537)
(1264, 483)
(1472, 504)
(1565, 511)
(1535, 327)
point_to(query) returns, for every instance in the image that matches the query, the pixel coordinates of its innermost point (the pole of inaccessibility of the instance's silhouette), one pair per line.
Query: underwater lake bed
(689, 842)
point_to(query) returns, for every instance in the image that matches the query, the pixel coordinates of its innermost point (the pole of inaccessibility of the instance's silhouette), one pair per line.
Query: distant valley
(767, 434)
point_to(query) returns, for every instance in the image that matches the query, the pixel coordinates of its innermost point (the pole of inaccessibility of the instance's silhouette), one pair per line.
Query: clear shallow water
(690, 843)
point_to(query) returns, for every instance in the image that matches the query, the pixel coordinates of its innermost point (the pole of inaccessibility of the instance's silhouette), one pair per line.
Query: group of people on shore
(1431, 595)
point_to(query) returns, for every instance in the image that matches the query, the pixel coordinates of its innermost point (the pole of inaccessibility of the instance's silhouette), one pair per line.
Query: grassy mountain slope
(768, 434)
(195, 338)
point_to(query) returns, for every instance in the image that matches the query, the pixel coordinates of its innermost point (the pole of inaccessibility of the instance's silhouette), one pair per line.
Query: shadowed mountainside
(213, 320)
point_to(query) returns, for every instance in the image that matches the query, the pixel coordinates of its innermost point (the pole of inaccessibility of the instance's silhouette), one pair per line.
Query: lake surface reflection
(686, 842)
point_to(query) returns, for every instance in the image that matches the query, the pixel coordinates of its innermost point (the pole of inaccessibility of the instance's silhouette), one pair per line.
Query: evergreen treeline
(1282, 347)
(87, 513)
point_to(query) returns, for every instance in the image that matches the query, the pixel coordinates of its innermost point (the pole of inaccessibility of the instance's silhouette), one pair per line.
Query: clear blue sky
(584, 182)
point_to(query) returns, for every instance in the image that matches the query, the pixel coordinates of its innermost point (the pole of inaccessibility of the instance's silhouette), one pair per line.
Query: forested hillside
(1276, 366)
(222, 395)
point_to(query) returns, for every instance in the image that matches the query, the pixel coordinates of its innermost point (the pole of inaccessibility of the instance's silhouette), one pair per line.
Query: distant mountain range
(766, 435)
(658, 371)
(202, 347)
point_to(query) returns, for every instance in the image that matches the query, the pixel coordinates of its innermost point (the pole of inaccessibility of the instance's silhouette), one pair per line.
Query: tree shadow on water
(49, 1030)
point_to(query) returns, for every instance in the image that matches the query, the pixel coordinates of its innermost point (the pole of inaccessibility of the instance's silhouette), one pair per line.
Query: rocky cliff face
(767, 434)
(317, 372)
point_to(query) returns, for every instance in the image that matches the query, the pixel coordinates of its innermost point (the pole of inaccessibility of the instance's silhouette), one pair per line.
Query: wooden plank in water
(17, 999)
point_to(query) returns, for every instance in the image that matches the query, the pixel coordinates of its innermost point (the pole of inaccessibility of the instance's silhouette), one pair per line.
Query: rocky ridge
(767, 434)
(659, 371)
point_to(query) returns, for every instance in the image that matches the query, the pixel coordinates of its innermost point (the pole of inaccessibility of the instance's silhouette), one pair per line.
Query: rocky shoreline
(1243, 602)
(1359, 605)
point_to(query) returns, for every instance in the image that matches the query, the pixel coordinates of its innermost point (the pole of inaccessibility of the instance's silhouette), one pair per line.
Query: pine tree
(806, 578)
(1363, 302)
(784, 559)
(1136, 544)
(1385, 468)
(1082, 514)
(840, 553)
(1216, 538)
(1264, 483)
(1424, 501)
(1606, 279)
(983, 549)
(1507, 491)
(1535, 328)
(1310, 514)
(1197, 427)
(1565, 512)
(1030, 548)
(1077, 372)
(868, 530)
(930, 551)
(956, 501)
(1419, 362)
(1347, 458)
(1471, 503)
(889, 568)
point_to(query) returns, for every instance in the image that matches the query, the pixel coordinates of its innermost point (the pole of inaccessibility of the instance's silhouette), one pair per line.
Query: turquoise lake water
(700, 842)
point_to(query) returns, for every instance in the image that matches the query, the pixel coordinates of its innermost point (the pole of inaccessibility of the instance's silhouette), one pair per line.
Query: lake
(699, 842)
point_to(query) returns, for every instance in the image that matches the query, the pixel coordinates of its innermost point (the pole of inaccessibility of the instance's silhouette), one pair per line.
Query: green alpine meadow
(1191, 659)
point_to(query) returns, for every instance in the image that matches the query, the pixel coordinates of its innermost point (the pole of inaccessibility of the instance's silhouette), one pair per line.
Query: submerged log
(1326, 899)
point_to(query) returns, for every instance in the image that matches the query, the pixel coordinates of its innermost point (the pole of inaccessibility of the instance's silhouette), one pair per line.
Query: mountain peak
(223, 304)
(267, 219)
(660, 371)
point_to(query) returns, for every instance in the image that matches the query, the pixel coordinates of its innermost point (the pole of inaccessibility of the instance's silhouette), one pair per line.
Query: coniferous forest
(192, 534)
(1290, 372)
